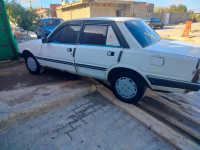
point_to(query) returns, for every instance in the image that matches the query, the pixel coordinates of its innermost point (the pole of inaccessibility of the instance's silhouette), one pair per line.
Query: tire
(128, 87)
(162, 26)
(32, 64)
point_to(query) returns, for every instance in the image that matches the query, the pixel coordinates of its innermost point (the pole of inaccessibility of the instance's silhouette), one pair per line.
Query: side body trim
(174, 83)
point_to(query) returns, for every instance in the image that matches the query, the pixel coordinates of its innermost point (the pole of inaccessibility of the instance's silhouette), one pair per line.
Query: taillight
(148, 23)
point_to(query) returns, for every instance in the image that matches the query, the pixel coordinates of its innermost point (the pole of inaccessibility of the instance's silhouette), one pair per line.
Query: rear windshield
(142, 32)
(52, 22)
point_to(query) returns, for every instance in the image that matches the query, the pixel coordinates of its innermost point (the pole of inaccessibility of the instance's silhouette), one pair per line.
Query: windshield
(52, 22)
(147, 19)
(144, 34)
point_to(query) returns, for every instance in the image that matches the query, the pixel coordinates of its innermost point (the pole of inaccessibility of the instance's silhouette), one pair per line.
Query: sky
(191, 4)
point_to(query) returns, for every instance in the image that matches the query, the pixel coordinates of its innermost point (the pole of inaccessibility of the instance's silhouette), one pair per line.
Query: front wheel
(33, 65)
(128, 87)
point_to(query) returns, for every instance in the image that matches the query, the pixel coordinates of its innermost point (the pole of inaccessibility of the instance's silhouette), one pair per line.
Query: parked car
(46, 25)
(154, 22)
(124, 51)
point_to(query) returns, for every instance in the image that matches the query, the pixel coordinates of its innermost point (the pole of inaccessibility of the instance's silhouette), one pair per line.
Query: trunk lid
(177, 47)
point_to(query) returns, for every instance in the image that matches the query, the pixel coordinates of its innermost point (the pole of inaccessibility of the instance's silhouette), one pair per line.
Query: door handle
(110, 53)
(69, 49)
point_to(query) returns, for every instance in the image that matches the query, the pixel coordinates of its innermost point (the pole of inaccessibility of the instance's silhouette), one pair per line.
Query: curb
(21, 116)
(193, 129)
(168, 134)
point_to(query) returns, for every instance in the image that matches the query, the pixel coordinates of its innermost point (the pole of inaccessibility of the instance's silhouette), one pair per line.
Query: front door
(58, 53)
(98, 50)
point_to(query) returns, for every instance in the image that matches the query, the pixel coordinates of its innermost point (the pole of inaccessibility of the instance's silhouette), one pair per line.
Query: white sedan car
(124, 51)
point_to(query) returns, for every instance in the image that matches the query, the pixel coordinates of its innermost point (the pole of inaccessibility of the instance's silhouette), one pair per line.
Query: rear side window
(144, 34)
(94, 34)
(67, 34)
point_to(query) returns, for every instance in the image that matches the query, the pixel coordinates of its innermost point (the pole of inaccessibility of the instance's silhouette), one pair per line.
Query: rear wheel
(128, 87)
(32, 64)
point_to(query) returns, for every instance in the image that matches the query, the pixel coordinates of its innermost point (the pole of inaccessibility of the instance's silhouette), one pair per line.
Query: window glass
(40, 23)
(111, 38)
(67, 34)
(144, 34)
(52, 22)
(94, 34)
(156, 19)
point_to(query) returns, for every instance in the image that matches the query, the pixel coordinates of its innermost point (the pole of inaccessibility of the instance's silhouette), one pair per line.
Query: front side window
(40, 23)
(94, 34)
(144, 34)
(67, 34)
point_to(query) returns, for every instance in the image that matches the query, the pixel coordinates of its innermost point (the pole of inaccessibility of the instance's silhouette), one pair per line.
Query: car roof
(119, 19)
(49, 18)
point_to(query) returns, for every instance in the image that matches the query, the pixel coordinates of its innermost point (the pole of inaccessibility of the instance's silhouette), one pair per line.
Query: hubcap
(31, 64)
(126, 87)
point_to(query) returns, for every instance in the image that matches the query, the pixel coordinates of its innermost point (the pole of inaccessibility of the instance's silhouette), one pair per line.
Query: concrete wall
(73, 12)
(140, 9)
(158, 15)
(107, 10)
(176, 18)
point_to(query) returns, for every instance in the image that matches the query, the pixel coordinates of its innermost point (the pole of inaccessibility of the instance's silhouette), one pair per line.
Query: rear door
(98, 50)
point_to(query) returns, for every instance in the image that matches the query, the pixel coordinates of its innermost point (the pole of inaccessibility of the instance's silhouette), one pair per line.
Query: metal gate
(8, 45)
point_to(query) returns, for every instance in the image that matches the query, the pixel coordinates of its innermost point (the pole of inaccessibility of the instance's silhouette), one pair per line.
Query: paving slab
(170, 134)
(23, 95)
(72, 126)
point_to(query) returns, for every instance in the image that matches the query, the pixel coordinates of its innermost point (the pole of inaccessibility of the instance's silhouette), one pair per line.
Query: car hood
(176, 47)
(49, 28)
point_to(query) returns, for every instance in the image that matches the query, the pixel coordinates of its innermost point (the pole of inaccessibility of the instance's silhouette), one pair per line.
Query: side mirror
(45, 40)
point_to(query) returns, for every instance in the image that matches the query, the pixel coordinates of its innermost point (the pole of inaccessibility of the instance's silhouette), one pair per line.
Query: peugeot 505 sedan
(124, 51)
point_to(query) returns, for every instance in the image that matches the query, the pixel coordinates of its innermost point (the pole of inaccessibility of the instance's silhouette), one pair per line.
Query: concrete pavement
(87, 123)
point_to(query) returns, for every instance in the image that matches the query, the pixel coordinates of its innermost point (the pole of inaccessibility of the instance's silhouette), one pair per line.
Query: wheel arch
(27, 52)
(123, 69)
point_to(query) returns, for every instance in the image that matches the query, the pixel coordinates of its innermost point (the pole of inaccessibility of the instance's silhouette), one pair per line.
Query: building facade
(95, 8)
(47, 12)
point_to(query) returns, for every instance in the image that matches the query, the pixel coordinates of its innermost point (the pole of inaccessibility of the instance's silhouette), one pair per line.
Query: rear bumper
(157, 81)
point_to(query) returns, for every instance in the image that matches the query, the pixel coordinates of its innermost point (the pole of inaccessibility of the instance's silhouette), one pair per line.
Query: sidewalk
(88, 123)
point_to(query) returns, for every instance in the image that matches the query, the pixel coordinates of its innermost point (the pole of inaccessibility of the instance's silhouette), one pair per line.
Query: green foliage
(23, 18)
(173, 8)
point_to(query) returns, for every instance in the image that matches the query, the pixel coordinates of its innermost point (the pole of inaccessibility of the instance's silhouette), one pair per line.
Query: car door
(58, 52)
(98, 50)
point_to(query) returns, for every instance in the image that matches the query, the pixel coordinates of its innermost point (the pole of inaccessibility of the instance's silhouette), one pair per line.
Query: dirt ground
(177, 30)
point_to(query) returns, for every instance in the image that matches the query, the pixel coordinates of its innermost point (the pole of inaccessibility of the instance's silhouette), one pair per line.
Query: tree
(181, 8)
(173, 8)
(23, 18)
